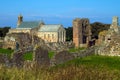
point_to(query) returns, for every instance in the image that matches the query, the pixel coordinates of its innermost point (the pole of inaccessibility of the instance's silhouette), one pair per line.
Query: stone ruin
(62, 57)
(41, 56)
(109, 41)
(15, 60)
(25, 41)
(81, 32)
(29, 42)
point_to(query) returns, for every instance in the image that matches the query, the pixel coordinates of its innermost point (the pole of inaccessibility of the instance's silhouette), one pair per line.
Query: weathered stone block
(41, 56)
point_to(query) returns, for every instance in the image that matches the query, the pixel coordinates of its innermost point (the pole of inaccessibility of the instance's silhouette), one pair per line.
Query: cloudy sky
(58, 11)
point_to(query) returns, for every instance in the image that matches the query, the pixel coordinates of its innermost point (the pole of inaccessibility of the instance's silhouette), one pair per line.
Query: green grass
(97, 61)
(51, 54)
(6, 51)
(28, 56)
(88, 68)
(76, 49)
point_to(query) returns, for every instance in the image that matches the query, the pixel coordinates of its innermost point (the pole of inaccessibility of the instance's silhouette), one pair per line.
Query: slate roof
(30, 24)
(50, 28)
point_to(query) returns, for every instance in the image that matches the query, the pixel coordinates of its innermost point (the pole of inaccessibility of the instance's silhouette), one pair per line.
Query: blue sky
(58, 11)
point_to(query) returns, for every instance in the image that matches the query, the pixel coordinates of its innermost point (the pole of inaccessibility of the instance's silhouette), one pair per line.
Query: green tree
(3, 31)
(98, 27)
(69, 33)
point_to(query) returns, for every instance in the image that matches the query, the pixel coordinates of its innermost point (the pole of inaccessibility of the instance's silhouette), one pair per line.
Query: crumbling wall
(81, 32)
(25, 41)
(41, 56)
(111, 47)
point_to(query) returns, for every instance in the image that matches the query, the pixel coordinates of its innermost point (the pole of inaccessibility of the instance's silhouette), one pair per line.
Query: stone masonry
(81, 32)
(109, 41)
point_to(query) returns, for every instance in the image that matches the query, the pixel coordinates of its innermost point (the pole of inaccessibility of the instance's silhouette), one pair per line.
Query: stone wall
(60, 46)
(15, 60)
(81, 32)
(42, 59)
(25, 41)
(64, 56)
(109, 41)
(111, 48)
(41, 56)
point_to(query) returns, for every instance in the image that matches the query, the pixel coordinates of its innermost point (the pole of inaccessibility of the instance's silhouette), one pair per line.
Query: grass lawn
(28, 56)
(97, 62)
(6, 51)
(51, 54)
(88, 68)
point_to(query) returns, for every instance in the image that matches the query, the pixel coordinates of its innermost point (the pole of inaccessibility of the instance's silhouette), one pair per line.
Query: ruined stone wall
(115, 24)
(81, 32)
(111, 47)
(59, 46)
(24, 40)
(76, 32)
(64, 56)
(109, 41)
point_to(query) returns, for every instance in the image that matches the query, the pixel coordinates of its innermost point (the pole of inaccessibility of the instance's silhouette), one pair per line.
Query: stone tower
(81, 32)
(115, 24)
(20, 20)
(76, 32)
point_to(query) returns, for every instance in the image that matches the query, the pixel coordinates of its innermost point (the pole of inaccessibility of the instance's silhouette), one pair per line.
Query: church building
(49, 33)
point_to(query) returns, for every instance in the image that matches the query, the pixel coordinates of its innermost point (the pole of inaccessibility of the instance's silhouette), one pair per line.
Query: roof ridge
(53, 24)
(31, 21)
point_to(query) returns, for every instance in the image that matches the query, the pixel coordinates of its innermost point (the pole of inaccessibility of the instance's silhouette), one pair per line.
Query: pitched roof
(50, 28)
(30, 24)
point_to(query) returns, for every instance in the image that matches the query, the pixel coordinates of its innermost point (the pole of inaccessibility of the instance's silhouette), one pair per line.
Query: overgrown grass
(76, 49)
(97, 61)
(6, 51)
(88, 68)
(51, 54)
(28, 56)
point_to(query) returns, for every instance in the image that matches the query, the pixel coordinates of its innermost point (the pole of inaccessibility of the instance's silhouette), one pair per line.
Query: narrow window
(44, 36)
(52, 35)
(48, 35)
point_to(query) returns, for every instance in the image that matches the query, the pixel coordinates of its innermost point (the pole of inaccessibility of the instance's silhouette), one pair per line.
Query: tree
(98, 27)
(69, 34)
(3, 31)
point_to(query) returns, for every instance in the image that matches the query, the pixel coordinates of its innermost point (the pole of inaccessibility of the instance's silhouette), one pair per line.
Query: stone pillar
(60, 36)
(20, 20)
(115, 23)
(64, 36)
